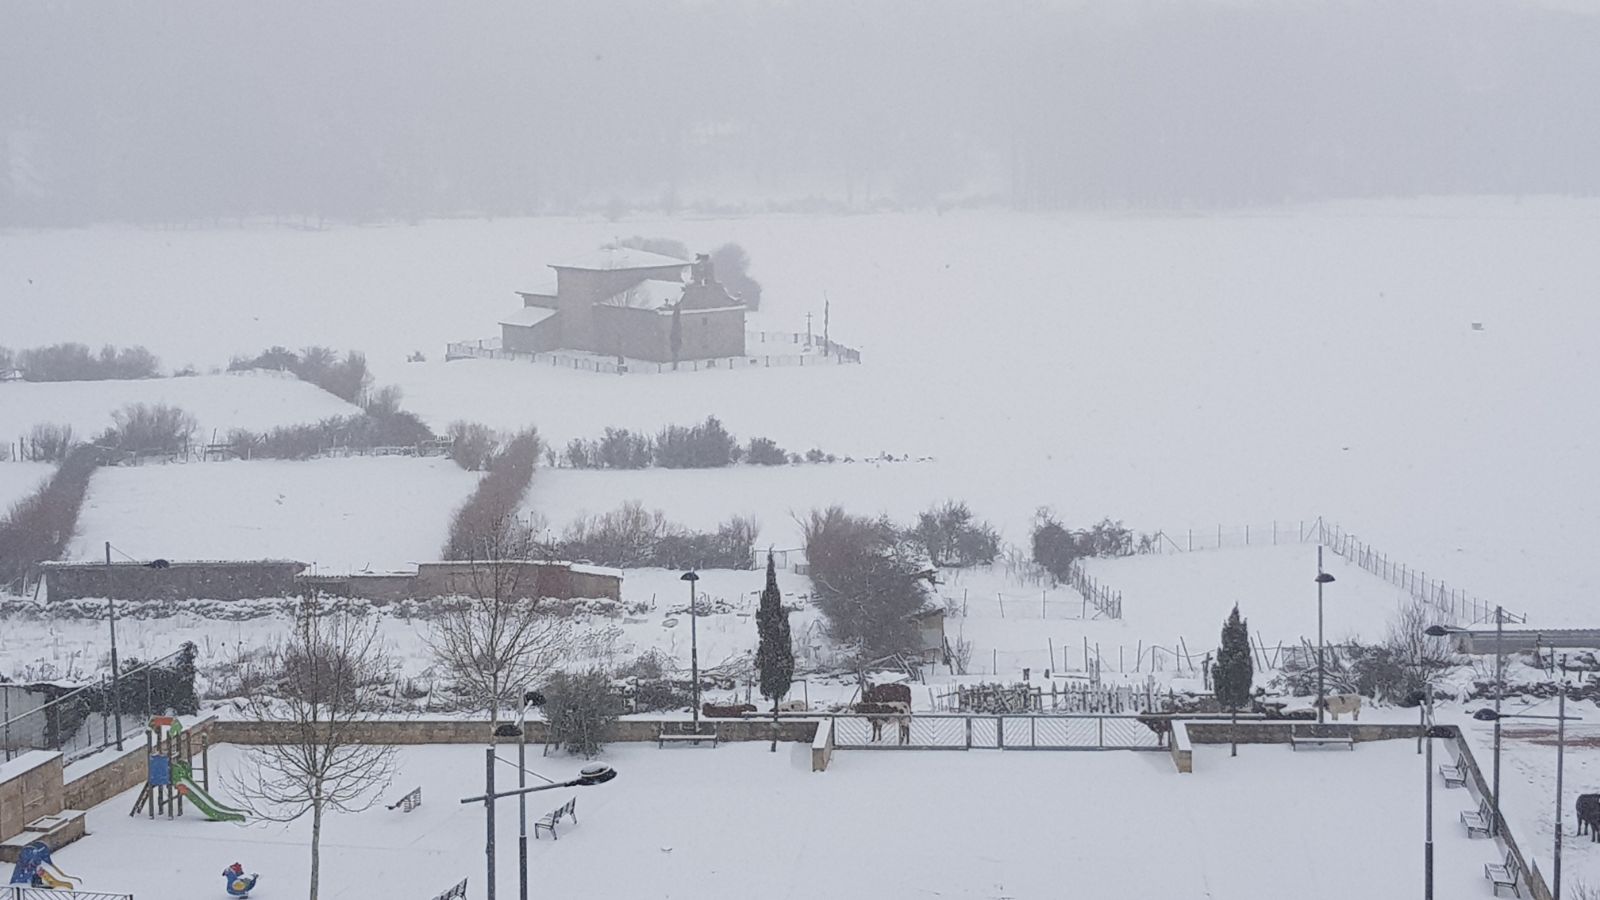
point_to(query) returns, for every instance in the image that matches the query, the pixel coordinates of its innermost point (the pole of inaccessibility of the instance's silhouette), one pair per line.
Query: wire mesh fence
(84, 720)
(763, 349)
(22, 892)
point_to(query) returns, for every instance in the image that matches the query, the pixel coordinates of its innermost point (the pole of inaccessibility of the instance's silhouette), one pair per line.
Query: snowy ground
(1167, 370)
(339, 514)
(19, 479)
(739, 822)
(254, 400)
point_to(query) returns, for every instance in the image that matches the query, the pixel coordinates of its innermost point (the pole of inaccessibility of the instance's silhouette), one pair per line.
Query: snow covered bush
(765, 452)
(868, 579)
(580, 709)
(631, 536)
(39, 527)
(345, 378)
(951, 536)
(50, 443)
(148, 428)
(492, 508)
(704, 446)
(472, 445)
(1056, 548)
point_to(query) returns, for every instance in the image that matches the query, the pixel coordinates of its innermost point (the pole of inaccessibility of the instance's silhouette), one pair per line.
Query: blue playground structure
(35, 869)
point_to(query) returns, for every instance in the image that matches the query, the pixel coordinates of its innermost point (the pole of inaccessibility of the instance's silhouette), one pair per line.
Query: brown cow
(881, 714)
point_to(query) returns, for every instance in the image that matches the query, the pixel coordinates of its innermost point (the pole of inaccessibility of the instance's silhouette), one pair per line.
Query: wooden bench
(1454, 775)
(665, 735)
(1506, 874)
(553, 818)
(1478, 821)
(1297, 740)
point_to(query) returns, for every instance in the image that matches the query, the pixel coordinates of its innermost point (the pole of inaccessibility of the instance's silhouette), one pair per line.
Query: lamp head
(1436, 631)
(507, 730)
(689, 576)
(533, 698)
(1486, 715)
(596, 773)
(1325, 578)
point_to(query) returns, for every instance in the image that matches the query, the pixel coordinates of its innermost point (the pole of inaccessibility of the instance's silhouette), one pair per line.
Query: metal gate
(943, 731)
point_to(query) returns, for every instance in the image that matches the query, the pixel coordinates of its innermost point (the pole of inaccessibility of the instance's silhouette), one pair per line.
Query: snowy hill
(254, 400)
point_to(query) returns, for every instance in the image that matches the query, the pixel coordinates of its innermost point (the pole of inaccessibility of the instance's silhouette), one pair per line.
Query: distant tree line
(487, 526)
(707, 445)
(632, 537)
(39, 527)
(1056, 547)
(76, 362)
(346, 378)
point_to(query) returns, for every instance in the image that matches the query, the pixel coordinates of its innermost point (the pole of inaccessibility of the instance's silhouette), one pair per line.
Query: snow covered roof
(652, 293)
(528, 316)
(544, 287)
(619, 258)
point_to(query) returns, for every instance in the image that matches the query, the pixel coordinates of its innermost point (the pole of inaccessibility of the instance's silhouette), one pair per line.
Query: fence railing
(1106, 602)
(82, 721)
(1451, 601)
(21, 892)
(821, 354)
(940, 731)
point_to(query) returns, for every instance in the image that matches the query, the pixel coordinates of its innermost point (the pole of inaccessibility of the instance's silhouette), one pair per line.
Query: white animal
(1339, 704)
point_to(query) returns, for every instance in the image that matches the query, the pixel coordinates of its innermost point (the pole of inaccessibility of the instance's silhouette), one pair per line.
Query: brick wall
(451, 731)
(178, 581)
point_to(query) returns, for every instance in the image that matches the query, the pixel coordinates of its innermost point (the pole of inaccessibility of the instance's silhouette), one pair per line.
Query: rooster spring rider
(239, 884)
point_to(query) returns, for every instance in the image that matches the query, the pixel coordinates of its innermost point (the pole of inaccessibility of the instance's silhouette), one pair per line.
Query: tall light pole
(1427, 775)
(529, 698)
(694, 649)
(116, 670)
(1322, 694)
(596, 773)
(1499, 688)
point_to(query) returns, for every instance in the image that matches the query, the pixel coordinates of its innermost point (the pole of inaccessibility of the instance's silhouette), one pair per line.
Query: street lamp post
(530, 698)
(694, 650)
(596, 773)
(1322, 694)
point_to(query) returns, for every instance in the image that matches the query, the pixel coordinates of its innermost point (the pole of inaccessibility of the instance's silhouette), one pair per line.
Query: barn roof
(615, 258)
(544, 287)
(527, 316)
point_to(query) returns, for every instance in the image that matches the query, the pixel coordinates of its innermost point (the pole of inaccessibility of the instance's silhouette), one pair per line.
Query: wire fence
(82, 721)
(1451, 601)
(763, 350)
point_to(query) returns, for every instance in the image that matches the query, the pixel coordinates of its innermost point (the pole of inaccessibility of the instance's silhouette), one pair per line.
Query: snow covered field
(739, 822)
(19, 479)
(1166, 370)
(254, 400)
(341, 515)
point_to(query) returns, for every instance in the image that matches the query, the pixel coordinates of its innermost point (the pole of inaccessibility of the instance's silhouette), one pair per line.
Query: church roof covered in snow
(615, 258)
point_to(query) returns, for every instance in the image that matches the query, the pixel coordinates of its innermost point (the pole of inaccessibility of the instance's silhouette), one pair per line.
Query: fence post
(968, 721)
(1000, 732)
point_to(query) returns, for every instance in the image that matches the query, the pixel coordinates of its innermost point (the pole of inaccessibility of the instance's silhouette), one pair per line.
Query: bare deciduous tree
(494, 638)
(315, 694)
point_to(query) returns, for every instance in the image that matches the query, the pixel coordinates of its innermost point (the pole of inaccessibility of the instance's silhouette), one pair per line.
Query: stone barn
(629, 303)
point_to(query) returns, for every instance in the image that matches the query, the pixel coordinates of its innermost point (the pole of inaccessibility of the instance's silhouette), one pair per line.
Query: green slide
(208, 805)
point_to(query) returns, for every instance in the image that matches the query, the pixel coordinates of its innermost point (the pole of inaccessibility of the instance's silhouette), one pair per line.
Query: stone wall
(177, 581)
(454, 731)
(30, 787)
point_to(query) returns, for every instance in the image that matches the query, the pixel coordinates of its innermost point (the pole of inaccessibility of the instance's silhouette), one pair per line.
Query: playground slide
(207, 804)
(52, 882)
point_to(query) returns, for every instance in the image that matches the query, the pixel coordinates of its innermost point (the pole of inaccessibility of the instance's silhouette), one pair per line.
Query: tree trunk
(316, 844)
(1233, 731)
(774, 724)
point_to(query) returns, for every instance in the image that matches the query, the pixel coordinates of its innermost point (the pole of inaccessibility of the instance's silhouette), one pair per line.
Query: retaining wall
(454, 731)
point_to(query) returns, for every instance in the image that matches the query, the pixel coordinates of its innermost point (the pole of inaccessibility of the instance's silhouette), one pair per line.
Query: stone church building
(629, 303)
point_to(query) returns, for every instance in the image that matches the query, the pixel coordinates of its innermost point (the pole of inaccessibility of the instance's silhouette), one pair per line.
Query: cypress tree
(775, 650)
(1233, 672)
